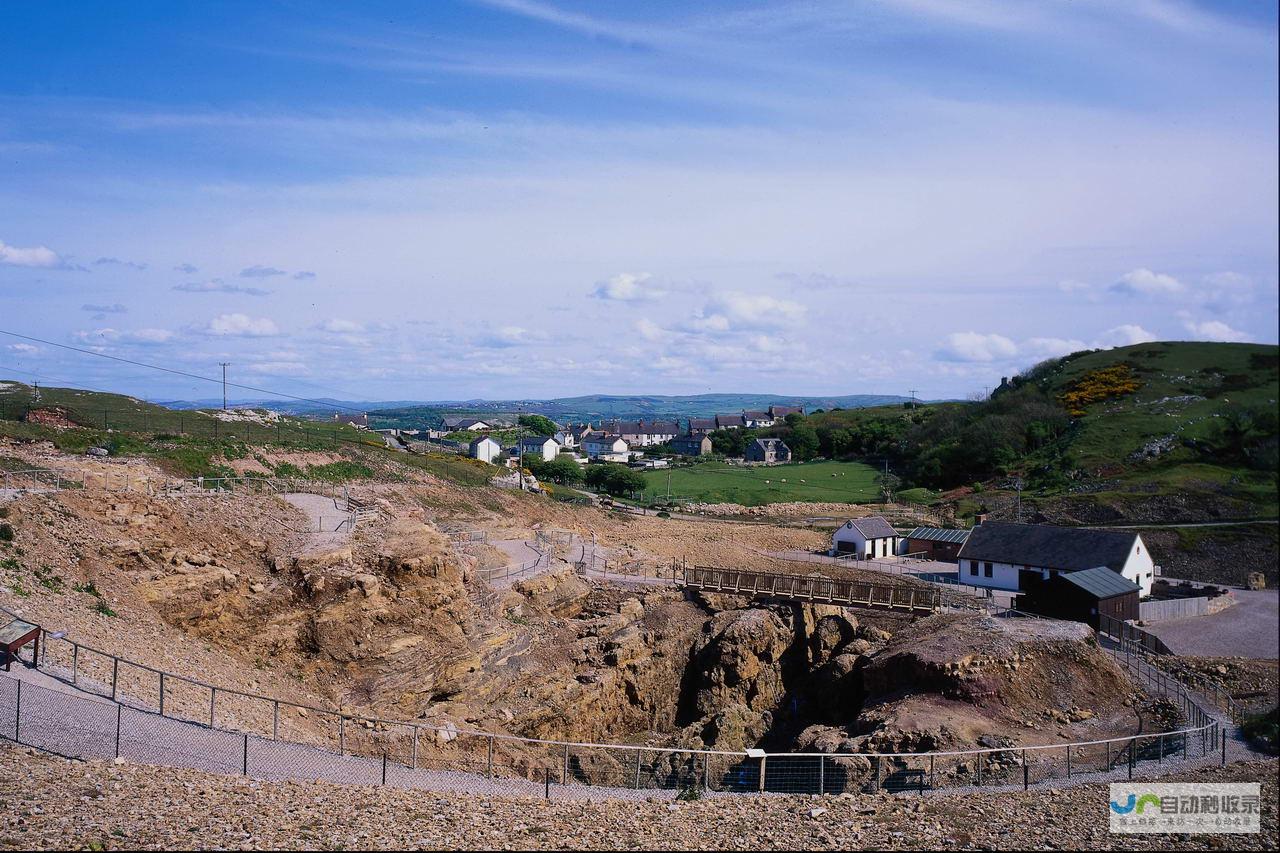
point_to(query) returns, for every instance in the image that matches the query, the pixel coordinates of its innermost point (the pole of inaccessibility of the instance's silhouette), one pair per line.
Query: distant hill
(596, 407)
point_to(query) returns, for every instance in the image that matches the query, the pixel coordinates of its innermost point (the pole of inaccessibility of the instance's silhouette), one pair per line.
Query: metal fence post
(1132, 749)
(245, 765)
(822, 774)
(637, 782)
(75, 662)
(1160, 759)
(342, 735)
(213, 695)
(1222, 735)
(162, 693)
(119, 713)
(1026, 776)
(546, 781)
(275, 719)
(564, 773)
(706, 772)
(415, 748)
(115, 673)
(1068, 762)
(384, 767)
(489, 759)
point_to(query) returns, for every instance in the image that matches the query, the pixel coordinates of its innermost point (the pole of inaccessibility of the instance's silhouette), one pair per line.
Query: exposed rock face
(738, 661)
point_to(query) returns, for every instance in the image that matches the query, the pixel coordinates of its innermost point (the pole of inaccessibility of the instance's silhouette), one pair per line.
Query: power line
(325, 403)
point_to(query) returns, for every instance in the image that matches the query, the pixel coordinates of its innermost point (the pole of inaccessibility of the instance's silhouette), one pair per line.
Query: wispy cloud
(32, 256)
(260, 271)
(217, 285)
(241, 326)
(116, 262)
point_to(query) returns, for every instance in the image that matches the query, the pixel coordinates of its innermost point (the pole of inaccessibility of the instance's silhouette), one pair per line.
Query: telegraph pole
(224, 384)
(913, 399)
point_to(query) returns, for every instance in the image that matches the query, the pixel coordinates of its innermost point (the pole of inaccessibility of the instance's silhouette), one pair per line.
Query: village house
(701, 426)
(730, 422)
(605, 446)
(484, 448)
(936, 543)
(691, 445)
(642, 434)
(769, 451)
(755, 420)
(1005, 555)
(454, 423)
(867, 538)
(360, 421)
(566, 438)
(780, 412)
(534, 446)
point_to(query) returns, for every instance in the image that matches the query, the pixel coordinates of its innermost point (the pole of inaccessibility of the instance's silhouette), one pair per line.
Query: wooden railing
(813, 588)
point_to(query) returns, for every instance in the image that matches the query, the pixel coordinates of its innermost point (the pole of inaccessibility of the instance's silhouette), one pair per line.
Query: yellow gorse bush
(1098, 385)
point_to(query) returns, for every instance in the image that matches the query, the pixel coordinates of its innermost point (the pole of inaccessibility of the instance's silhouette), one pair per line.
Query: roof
(736, 420)
(536, 440)
(757, 416)
(689, 439)
(1101, 582)
(873, 527)
(1048, 547)
(462, 422)
(702, 423)
(938, 534)
(477, 441)
(768, 443)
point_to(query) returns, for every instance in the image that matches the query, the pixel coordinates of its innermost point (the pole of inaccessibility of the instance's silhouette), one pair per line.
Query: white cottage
(599, 445)
(1002, 554)
(485, 449)
(868, 537)
(534, 446)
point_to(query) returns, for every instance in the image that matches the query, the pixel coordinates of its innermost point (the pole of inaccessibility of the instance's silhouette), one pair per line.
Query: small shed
(868, 538)
(484, 448)
(1083, 596)
(936, 543)
(14, 636)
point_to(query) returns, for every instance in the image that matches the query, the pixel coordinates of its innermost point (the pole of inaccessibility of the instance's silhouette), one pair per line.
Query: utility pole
(668, 485)
(913, 399)
(224, 384)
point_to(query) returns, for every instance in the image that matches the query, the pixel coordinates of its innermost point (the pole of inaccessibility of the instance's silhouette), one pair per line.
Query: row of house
(743, 420)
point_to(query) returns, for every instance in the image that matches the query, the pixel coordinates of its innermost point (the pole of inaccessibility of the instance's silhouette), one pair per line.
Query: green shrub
(1264, 730)
(6, 532)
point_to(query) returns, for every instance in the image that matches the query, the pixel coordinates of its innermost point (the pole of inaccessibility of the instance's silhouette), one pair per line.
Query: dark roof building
(1048, 546)
(698, 426)
(936, 543)
(691, 445)
(782, 411)
(768, 451)
(730, 421)
(1086, 595)
(873, 527)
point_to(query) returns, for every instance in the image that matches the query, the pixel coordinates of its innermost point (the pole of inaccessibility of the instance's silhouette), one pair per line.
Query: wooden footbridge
(812, 589)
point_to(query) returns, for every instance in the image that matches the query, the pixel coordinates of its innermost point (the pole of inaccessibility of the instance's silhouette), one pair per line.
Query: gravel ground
(56, 803)
(1250, 628)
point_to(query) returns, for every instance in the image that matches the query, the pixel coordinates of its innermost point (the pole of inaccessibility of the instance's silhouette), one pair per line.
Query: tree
(561, 470)
(614, 479)
(538, 424)
(888, 484)
(803, 442)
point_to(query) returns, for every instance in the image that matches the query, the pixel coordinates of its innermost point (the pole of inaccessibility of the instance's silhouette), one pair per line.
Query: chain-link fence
(107, 706)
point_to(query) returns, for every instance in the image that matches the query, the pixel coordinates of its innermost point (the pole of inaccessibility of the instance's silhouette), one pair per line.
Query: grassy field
(715, 482)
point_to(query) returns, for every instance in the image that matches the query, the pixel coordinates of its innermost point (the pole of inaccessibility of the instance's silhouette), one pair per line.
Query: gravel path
(1250, 628)
(325, 520)
(52, 803)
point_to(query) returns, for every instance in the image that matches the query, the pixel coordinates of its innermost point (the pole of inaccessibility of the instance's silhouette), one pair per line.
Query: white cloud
(134, 336)
(1052, 347)
(259, 271)
(25, 349)
(1215, 330)
(35, 256)
(341, 327)
(280, 368)
(1144, 282)
(1073, 286)
(509, 336)
(628, 287)
(649, 330)
(734, 311)
(1126, 335)
(974, 346)
(241, 326)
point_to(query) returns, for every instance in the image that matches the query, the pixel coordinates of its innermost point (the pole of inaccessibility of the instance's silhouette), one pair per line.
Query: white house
(868, 537)
(1001, 554)
(484, 448)
(532, 446)
(566, 438)
(599, 445)
(457, 424)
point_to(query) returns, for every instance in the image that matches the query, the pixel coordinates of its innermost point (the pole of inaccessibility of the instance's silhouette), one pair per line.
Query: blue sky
(517, 198)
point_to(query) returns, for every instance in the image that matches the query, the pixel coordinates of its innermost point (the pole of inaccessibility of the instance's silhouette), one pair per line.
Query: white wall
(1138, 568)
(486, 451)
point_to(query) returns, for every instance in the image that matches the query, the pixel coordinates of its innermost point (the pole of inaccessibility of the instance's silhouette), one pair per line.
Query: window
(973, 567)
(986, 570)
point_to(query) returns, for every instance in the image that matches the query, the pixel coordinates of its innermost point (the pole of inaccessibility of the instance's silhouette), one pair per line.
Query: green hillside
(717, 482)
